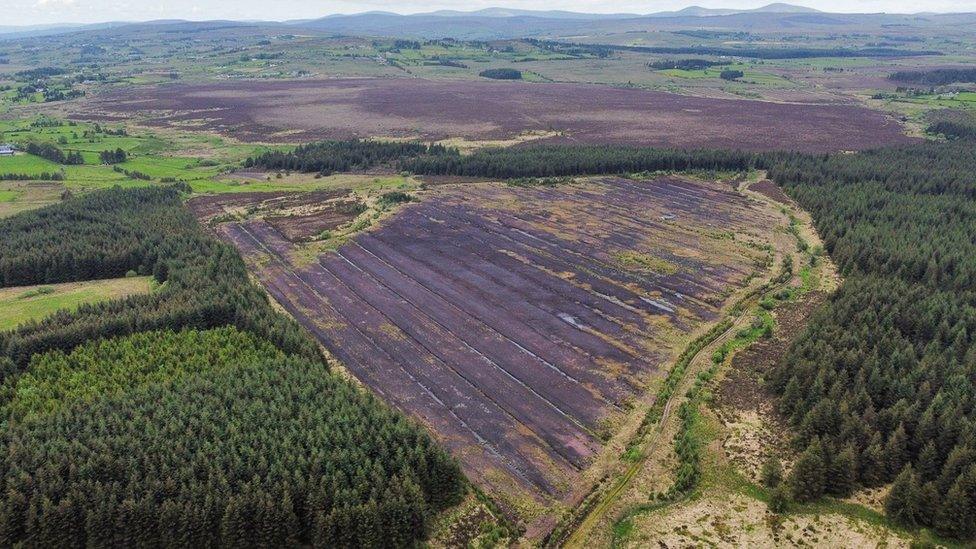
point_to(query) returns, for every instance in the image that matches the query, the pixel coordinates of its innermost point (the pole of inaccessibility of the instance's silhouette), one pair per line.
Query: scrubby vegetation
(731, 74)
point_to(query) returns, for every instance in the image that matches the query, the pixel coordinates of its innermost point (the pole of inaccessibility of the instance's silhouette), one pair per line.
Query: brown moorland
(520, 324)
(303, 110)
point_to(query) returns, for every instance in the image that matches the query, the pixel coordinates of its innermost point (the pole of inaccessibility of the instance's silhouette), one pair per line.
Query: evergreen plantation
(107, 233)
(882, 384)
(208, 438)
(193, 416)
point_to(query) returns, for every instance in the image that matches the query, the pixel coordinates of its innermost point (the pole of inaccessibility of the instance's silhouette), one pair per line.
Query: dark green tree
(807, 480)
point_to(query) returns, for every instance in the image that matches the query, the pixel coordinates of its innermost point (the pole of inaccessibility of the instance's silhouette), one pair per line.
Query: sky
(34, 12)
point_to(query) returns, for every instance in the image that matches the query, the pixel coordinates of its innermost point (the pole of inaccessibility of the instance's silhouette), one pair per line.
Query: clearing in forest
(23, 303)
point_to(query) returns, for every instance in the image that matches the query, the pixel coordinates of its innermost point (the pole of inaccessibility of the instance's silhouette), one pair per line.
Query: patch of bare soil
(733, 520)
(772, 191)
(470, 524)
(296, 209)
(305, 227)
(872, 498)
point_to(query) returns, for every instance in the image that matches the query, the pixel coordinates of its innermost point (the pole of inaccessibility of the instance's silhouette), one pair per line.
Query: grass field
(750, 75)
(191, 157)
(18, 196)
(24, 303)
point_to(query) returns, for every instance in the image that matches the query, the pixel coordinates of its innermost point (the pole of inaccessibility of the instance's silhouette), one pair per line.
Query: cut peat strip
(565, 392)
(376, 367)
(510, 321)
(532, 411)
(558, 357)
(613, 282)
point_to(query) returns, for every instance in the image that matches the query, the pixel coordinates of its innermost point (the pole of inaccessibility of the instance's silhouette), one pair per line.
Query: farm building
(7, 150)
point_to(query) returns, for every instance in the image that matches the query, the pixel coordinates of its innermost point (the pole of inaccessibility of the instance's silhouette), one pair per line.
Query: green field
(22, 163)
(24, 303)
(750, 74)
(153, 158)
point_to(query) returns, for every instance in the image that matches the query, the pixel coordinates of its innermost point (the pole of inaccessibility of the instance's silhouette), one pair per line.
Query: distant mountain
(698, 11)
(505, 23)
(8, 31)
(549, 14)
(780, 7)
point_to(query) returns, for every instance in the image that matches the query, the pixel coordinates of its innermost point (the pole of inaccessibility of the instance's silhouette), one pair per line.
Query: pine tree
(957, 517)
(873, 470)
(896, 451)
(779, 499)
(902, 503)
(842, 473)
(928, 503)
(772, 472)
(928, 463)
(807, 477)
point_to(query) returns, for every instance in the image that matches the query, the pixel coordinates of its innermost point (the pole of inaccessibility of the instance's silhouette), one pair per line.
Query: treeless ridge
(303, 110)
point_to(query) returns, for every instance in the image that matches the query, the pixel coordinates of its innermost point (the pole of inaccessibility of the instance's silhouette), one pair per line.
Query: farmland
(522, 324)
(290, 111)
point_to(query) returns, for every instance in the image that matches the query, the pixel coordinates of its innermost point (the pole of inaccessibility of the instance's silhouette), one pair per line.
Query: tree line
(42, 176)
(753, 52)
(935, 77)
(327, 157)
(501, 74)
(568, 160)
(684, 64)
(51, 152)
